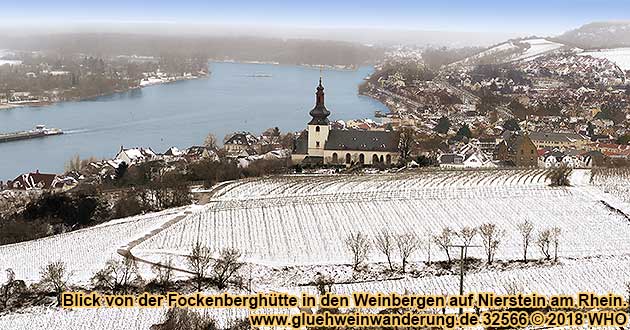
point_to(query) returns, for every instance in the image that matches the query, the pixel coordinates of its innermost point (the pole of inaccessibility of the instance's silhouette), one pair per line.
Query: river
(180, 114)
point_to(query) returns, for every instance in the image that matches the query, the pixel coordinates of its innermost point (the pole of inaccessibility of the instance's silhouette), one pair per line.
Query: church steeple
(319, 113)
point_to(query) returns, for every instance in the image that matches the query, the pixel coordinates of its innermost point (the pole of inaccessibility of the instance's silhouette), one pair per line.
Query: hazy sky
(545, 17)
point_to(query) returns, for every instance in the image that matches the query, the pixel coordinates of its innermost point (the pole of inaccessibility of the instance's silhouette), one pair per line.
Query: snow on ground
(103, 318)
(84, 251)
(538, 47)
(513, 51)
(498, 50)
(10, 62)
(305, 220)
(620, 56)
(600, 275)
(293, 227)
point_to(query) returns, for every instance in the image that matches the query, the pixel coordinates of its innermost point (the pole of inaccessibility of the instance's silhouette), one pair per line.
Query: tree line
(404, 245)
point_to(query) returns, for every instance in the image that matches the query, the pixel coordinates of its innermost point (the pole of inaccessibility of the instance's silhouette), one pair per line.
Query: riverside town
(257, 165)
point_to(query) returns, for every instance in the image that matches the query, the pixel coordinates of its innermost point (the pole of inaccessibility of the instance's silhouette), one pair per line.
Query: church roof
(319, 112)
(362, 140)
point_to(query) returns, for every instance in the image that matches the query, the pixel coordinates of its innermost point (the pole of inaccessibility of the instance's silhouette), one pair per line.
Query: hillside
(291, 228)
(285, 51)
(511, 51)
(598, 35)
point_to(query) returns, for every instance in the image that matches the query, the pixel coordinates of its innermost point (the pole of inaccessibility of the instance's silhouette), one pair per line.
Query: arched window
(375, 159)
(381, 159)
(361, 159)
(316, 128)
(388, 159)
(335, 158)
(348, 158)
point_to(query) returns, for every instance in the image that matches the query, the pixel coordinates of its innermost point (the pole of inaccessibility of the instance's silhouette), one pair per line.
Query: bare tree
(560, 176)
(324, 283)
(544, 242)
(467, 234)
(384, 243)
(77, 164)
(407, 245)
(11, 289)
(491, 236)
(444, 240)
(555, 237)
(199, 262)
(211, 142)
(163, 274)
(407, 141)
(359, 246)
(118, 276)
(55, 277)
(526, 230)
(226, 266)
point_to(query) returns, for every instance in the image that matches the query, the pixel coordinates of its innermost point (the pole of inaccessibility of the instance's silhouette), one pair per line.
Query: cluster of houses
(532, 149)
(241, 147)
(355, 142)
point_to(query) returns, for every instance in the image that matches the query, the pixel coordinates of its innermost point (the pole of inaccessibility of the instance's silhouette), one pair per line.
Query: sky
(542, 17)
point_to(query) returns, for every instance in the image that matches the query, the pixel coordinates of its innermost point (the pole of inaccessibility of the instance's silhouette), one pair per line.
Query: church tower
(318, 127)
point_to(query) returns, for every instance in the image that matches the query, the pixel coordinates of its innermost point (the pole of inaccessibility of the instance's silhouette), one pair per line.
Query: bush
(19, 230)
(72, 209)
(118, 276)
(559, 177)
(128, 205)
(185, 319)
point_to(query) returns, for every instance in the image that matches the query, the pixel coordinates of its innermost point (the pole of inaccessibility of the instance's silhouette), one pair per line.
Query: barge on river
(39, 131)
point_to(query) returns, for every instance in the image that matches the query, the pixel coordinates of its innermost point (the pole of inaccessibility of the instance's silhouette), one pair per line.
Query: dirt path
(126, 250)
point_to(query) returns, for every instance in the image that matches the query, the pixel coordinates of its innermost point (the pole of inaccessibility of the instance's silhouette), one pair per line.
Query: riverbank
(328, 67)
(149, 82)
(180, 114)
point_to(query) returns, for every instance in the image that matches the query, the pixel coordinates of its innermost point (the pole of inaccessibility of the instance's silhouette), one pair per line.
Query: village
(383, 144)
(424, 165)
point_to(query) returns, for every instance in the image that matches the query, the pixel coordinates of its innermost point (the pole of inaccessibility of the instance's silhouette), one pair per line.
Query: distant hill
(598, 35)
(285, 51)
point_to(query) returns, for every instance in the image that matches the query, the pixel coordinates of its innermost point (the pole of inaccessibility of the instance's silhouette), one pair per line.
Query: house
(37, 180)
(196, 153)
(468, 156)
(451, 160)
(241, 144)
(135, 155)
(522, 151)
(611, 149)
(487, 144)
(173, 152)
(558, 140)
(592, 158)
(322, 144)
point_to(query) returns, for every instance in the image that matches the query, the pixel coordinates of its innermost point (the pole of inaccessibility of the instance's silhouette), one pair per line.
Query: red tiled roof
(34, 180)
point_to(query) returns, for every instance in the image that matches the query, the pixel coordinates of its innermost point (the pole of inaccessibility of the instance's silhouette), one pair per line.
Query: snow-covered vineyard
(298, 225)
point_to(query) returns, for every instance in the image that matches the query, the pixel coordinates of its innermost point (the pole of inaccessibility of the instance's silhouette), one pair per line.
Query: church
(320, 144)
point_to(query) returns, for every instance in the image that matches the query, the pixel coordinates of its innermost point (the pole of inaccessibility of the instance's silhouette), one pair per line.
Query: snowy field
(513, 51)
(620, 56)
(292, 227)
(538, 47)
(84, 251)
(323, 211)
